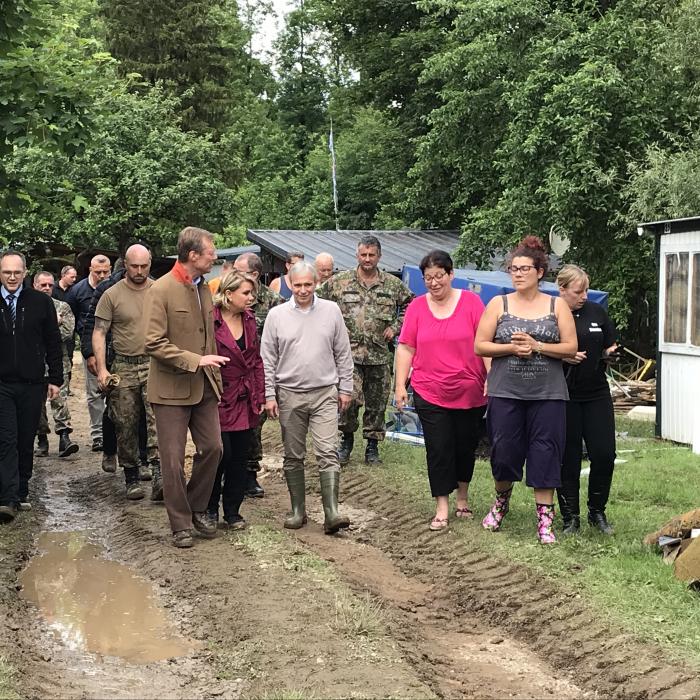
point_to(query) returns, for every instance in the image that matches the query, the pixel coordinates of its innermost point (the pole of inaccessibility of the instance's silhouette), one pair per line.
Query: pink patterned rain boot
(498, 511)
(545, 519)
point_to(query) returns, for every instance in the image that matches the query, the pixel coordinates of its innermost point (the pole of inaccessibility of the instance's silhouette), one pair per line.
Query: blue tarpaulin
(487, 284)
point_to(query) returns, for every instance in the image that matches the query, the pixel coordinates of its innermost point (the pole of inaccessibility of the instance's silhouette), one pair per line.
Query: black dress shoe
(97, 445)
(598, 520)
(7, 514)
(253, 488)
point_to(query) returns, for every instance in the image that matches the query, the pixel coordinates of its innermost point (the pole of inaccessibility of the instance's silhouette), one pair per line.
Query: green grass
(623, 579)
(7, 681)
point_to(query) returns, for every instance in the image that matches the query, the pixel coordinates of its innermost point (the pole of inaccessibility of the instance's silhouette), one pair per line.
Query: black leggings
(233, 472)
(594, 422)
(451, 437)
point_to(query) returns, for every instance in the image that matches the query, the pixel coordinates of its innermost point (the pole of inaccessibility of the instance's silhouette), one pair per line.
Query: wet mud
(256, 614)
(97, 605)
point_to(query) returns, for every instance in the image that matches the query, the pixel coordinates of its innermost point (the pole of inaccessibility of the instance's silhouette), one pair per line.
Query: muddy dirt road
(381, 611)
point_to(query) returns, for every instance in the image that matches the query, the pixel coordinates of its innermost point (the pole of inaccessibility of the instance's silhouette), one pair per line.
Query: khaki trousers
(182, 498)
(317, 411)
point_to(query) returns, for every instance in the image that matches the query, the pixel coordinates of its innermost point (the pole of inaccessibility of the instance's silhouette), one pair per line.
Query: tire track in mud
(455, 655)
(551, 621)
(211, 590)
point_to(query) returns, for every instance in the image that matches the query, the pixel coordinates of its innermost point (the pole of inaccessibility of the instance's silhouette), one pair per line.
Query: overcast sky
(272, 26)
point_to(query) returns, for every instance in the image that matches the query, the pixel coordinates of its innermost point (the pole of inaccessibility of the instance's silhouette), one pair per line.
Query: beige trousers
(317, 411)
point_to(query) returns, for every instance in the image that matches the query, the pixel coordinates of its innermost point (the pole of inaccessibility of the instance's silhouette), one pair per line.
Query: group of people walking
(165, 357)
(536, 365)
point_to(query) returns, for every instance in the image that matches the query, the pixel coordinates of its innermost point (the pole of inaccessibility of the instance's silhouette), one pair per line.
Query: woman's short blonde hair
(230, 282)
(570, 274)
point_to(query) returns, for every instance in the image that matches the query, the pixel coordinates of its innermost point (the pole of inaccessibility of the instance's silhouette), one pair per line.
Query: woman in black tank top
(527, 334)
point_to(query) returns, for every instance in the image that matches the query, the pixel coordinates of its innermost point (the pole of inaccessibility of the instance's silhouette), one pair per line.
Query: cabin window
(676, 312)
(695, 301)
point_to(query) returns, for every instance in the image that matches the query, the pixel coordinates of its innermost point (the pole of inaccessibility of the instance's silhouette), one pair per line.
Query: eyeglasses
(514, 269)
(437, 277)
(12, 274)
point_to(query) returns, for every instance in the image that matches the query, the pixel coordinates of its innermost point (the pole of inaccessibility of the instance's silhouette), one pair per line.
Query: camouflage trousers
(59, 407)
(256, 448)
(371, 387)
(125, 404)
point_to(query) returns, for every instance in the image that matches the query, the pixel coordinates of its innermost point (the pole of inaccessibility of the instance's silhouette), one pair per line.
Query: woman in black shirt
(589, 412)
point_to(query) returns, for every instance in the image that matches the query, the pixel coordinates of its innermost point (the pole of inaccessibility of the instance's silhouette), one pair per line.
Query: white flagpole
(331, 148)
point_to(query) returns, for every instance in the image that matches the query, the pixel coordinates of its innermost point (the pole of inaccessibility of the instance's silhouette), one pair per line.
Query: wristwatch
(539, 347)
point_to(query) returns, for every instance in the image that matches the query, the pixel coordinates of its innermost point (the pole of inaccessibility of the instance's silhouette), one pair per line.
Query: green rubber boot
(329, 494)
(297, 495)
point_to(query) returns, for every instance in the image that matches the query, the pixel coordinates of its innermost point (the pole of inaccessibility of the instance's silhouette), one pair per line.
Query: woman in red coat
(243, 397)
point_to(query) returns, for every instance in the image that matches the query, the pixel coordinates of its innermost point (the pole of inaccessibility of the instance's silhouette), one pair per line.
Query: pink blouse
(446, 372)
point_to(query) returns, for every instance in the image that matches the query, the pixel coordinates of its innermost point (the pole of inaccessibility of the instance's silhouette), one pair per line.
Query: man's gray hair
(368, 241)
(303, 268)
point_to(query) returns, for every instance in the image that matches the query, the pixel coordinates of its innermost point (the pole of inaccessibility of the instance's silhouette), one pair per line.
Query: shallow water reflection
(98, 605)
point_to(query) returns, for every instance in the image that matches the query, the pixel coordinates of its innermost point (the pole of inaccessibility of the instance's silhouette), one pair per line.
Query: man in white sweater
(308, 382)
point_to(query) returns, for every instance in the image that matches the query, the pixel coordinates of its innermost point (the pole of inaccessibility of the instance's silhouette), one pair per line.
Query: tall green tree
(49, 77)
(303, 84)
(545, 106)
(141, 177)
(195, 48)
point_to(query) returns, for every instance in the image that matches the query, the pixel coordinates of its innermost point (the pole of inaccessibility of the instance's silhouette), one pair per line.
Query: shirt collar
(296, 306)
(6, 294)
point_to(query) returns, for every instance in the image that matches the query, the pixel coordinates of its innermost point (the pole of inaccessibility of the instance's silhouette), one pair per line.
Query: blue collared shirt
(6, 294)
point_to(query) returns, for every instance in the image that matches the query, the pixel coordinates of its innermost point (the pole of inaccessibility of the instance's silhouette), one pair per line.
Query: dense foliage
(124, 119)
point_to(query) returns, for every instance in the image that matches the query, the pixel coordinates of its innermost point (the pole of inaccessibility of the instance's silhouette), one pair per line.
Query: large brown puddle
(97, 605)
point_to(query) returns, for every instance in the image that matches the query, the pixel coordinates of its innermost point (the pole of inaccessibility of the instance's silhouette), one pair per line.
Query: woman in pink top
(437, 341)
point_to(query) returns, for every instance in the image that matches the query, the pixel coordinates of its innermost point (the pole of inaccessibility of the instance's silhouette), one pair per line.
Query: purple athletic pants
(527, 431)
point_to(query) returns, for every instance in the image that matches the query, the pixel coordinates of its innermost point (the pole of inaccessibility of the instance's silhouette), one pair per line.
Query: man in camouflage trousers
(265, 299)
(373, 305)
(120, 310)
(44, 282)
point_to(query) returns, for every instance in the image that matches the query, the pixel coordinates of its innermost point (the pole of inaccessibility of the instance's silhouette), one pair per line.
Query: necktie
(11, 304)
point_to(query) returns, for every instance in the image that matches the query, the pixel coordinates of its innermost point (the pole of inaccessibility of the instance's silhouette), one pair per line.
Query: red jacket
(243, 376)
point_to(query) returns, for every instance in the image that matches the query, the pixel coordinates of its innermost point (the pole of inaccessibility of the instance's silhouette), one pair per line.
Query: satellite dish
(558, 244)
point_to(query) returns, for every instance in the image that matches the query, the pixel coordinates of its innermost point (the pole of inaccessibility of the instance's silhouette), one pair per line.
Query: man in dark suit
(29, 341)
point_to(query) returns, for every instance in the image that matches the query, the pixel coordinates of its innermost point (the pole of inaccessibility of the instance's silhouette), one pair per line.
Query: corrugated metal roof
(233, 253)
(399, 248)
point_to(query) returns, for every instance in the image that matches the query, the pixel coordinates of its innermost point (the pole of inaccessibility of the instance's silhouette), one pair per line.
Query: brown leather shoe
(203, 525)
(183, 539)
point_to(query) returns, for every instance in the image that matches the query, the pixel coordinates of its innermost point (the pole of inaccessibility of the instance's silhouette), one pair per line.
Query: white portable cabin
(678, 355)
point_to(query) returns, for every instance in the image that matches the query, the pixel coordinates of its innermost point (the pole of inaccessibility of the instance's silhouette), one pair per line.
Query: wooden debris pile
(627, 394)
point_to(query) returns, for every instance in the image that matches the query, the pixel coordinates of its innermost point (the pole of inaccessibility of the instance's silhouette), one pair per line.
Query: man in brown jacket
(184, 383)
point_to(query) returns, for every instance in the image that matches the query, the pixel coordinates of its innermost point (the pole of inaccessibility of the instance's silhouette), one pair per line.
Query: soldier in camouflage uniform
(43, 282)
(265, 299)
(373, 305)
(120, 310)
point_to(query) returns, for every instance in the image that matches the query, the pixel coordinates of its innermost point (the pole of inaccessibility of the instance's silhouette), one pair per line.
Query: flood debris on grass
(679, 541)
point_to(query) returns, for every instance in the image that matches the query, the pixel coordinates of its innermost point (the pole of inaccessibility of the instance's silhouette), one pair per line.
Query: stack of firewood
(628, 394)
